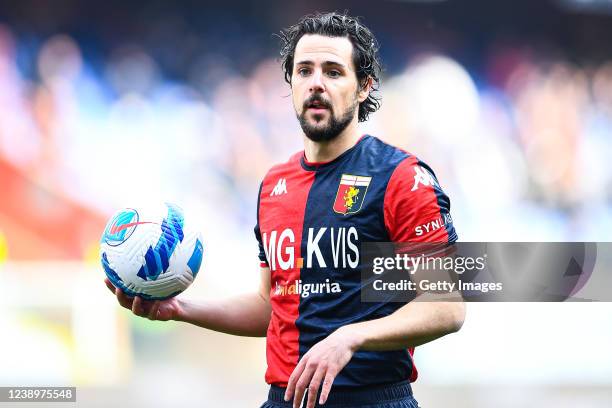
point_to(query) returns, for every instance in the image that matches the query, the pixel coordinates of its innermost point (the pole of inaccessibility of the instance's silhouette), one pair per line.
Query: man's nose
(316, 82)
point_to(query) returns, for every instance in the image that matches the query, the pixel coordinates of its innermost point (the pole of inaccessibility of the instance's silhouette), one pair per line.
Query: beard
(324, 132)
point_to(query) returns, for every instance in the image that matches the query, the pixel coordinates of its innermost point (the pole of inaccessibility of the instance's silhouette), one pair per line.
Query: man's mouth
(317, 106)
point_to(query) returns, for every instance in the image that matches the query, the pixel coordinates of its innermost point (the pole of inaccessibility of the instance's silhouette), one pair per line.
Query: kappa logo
(279, 188)
(422, 176)
(351, 193)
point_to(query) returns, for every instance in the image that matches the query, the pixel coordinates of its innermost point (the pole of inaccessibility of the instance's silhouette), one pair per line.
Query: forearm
(412, 325)
(244, 315)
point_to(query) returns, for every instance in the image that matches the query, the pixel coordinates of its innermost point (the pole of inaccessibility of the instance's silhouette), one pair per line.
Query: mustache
(317, 98)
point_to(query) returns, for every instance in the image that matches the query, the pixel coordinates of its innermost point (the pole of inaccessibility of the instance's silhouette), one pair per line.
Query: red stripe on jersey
(411, 204)
(283, 199)
(414, 374)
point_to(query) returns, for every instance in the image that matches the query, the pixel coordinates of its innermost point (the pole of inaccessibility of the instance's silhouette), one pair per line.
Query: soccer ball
(151, 252)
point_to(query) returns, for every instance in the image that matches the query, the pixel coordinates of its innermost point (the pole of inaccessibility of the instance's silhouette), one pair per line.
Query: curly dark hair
(365, 50)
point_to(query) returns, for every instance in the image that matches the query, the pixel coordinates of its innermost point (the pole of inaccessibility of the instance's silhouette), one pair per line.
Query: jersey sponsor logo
(304, 290)
(424, 177)
(351, 193)
(431, 226)
(279, 188)
(280, 249)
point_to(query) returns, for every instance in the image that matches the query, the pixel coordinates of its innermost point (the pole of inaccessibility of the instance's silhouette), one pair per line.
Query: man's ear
(364, 89)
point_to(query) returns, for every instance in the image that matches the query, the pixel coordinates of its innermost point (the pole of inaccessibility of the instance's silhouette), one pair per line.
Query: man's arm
(243, 315)
(414, 324)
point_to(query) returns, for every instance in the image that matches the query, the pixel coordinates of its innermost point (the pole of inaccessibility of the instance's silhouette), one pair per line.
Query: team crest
(351, 193)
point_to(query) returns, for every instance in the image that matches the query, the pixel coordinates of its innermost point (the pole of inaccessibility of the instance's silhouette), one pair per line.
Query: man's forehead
(315, 47)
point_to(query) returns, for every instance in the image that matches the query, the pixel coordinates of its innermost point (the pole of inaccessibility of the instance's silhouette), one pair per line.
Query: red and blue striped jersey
(311, 221)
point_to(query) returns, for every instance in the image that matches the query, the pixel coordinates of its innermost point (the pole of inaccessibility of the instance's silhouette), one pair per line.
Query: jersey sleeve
(263, 261)
(416, 210)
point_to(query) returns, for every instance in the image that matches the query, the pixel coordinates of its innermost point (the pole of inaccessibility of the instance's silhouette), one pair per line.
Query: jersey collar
(314, 166)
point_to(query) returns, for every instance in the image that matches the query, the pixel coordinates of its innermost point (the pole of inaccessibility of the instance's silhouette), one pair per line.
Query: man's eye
(303, 71)
(333, 74)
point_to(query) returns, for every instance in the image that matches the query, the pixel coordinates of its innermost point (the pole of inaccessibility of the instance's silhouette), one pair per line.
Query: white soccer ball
(151, 252)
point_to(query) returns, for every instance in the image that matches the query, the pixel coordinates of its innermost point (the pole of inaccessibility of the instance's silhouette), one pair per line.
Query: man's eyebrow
(335, 63)
(308, 62)
(325, 63)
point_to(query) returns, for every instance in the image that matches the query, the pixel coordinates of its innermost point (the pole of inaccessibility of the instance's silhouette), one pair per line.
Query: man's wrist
(180, 315)
(354, 335)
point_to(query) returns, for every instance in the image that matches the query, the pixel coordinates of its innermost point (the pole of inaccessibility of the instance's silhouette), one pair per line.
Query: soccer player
(314, 211)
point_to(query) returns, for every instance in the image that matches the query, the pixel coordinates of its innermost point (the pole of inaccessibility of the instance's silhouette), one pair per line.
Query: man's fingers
(109, 285)
(137, 306)
(295, 375)
(315, 383)
(153, 311)
(327, 384)
(124, 300)
(302, 384)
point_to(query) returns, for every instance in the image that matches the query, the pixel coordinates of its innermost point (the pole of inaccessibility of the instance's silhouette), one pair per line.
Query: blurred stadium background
(106, 104)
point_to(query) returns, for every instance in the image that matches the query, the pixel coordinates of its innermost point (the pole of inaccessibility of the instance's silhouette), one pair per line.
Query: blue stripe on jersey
(321, 314)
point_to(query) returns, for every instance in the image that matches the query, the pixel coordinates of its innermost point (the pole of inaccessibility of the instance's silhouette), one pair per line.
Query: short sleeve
(263, 261)
(415, 207)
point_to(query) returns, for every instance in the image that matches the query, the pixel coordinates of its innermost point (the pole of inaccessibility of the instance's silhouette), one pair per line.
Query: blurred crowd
(521, 148)
(99, 110)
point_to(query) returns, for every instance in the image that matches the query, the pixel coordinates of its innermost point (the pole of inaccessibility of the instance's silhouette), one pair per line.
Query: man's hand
(152, 309)
(321, 364)
(243, 315)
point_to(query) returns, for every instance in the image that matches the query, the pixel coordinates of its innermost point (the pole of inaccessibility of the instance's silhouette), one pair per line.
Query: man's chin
(318, 118)
(319, 128)
(318, 124)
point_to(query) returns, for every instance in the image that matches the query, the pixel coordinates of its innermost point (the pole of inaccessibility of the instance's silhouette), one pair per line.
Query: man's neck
(321, 152)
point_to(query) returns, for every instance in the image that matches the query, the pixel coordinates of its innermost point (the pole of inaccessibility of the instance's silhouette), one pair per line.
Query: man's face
(325, 90)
